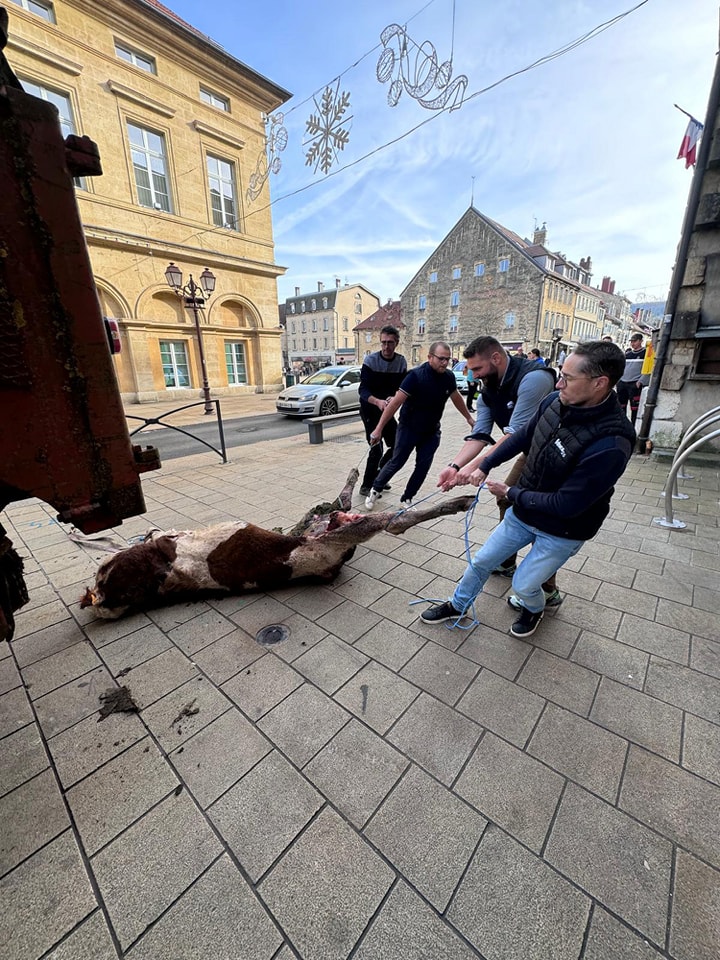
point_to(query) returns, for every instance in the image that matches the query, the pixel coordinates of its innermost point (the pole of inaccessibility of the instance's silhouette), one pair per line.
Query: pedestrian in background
(381, 374)
(633, 379)
(472, 388)
(421, 401)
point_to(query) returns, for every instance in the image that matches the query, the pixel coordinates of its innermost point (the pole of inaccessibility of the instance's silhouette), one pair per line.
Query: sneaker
(387, 487)
(373, 496)
(407, 504)
(440, 613)
(526, 624)
(365, 491)
(552, 599)
(506, 571)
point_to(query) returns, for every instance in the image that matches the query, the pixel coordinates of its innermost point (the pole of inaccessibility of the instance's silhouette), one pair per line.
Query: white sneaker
(373, 496)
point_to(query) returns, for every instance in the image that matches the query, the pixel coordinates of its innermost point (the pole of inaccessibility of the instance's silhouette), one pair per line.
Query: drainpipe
(691, 210)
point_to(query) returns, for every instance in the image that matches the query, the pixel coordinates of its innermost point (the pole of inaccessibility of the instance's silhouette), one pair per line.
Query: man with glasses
(577, 446)
(421, 400)
(381, 374)
(512, 389)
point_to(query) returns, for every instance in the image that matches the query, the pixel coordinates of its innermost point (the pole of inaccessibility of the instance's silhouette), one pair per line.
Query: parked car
(328, 391)
(460, 378)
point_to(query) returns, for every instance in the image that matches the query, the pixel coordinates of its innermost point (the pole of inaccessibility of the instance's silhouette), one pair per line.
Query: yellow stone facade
(125, 68)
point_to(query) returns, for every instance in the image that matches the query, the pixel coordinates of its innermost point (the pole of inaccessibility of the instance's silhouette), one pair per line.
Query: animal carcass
(239, 557)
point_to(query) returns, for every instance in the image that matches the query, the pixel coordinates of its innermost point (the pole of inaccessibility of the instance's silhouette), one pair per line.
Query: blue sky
(586, 143)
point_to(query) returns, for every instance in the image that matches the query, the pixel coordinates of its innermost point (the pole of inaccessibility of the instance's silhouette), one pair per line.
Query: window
(345, 341)
(302, 306)
(453, 323)
(324, 303)
(235, 363)
(313, 304)
(510, 319)
(345, 323)
(421, 325)
(44, 10)
(433, 276)
(292, 308)
(214, 99)
(325, 342)
(455, 298)
(292, 328)
(503, 265)
(173, 354)
(142, 60)
(422, 301)
(314, 325)
(368, 338)
(479, 269)
(326, 325)
(457, 273)
(64, 107)
(314, 343)
(358, 308)
(304, 326)
(150, 166)
(221, 180)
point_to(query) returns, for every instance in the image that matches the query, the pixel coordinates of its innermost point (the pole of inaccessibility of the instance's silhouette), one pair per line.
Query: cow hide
(239, 557)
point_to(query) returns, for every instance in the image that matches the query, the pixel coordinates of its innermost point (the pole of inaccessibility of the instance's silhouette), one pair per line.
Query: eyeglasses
(569, 379)
(441, 359)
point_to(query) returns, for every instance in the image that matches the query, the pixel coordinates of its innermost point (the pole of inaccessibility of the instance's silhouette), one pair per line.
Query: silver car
(328, 391)
(460, 378)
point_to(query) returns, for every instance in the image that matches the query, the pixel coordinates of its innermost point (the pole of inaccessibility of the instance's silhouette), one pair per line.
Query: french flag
(688, 147)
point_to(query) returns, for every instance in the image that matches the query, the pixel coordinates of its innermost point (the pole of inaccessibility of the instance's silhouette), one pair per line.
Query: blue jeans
(405, 442)
(547, 555)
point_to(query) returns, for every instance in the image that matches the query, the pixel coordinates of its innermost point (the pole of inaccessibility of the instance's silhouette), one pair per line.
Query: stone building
(180, 126)
(319, 325)
(483, 279)
(367, 332)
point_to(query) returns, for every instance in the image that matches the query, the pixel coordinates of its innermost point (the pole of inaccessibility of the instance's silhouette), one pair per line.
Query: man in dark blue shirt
(577, 446)
(381, 374)
(421, 400)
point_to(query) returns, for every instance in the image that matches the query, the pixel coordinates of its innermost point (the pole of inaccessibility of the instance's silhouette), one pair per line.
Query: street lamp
(193, 300)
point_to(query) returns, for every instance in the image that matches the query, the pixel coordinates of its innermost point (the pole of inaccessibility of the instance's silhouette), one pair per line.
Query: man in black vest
(577, 447)
(512, 390)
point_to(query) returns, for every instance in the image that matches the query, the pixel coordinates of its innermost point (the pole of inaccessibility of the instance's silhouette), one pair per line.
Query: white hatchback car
(330, 390)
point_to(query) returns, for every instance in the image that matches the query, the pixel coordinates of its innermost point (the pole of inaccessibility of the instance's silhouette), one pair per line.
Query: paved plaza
(371, 787)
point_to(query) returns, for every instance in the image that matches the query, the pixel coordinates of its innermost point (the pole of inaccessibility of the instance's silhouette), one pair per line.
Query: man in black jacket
(381, 374)
(577, 446)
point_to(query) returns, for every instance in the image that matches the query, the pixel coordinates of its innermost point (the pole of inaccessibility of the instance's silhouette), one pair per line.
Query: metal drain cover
(272, 634)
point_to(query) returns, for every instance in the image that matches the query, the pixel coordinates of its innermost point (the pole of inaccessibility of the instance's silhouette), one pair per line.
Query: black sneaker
(364, 491)
(508, 571)
(440, 613)
(387, 487)
(526, 624)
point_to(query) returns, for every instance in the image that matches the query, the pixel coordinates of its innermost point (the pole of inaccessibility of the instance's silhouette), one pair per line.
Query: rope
(456, 624)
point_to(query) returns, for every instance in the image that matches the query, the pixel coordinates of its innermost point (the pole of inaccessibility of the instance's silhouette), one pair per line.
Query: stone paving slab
(373, 787)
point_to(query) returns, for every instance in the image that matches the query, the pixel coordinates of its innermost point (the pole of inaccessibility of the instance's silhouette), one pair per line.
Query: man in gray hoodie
(630, 385)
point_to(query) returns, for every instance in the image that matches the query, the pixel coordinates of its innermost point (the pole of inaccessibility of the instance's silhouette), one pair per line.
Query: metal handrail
(668, 520)
(711, 416)
(150, 421)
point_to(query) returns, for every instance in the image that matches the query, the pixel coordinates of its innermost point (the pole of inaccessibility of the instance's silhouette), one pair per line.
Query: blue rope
(456, 624)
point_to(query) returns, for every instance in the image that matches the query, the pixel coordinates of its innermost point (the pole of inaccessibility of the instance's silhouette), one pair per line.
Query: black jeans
(376, 459)
(424, 446)
(629, 392)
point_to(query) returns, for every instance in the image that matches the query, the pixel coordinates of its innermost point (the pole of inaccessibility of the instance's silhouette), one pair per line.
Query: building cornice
(206, 130)
(36, 52)
(141, 99)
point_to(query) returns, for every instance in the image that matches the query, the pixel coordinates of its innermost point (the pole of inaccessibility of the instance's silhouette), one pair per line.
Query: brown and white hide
(239, 557)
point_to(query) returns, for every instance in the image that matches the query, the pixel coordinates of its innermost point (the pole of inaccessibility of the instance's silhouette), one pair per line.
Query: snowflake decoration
(325, 128)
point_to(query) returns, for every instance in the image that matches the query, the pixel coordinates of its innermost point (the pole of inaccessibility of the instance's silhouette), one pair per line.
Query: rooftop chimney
(540, 235)
(605, 285)
(297, 291)
(612, 287)
(321, 286)
(337, 283)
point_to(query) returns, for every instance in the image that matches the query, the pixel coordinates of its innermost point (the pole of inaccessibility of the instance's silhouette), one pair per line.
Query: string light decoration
(268, 161)
(328, 135)
(422, 76)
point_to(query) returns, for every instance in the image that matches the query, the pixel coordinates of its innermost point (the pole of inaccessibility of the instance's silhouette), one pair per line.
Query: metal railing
(160, 421)
(688, 446)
